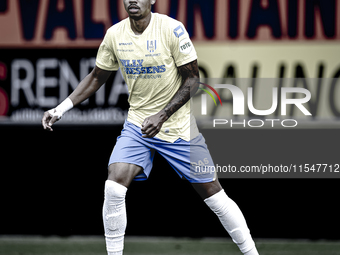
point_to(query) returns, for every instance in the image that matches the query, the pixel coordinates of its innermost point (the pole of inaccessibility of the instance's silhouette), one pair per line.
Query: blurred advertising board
(38, 79)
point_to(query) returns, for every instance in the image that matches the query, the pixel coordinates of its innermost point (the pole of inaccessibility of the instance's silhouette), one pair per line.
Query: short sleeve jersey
(149, 66)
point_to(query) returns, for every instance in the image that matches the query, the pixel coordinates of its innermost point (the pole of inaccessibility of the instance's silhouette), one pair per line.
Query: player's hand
(49, 118)
(153, 124)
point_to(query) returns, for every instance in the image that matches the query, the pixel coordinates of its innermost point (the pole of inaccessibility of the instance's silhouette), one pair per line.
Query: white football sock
(233, 221)
(114, 217)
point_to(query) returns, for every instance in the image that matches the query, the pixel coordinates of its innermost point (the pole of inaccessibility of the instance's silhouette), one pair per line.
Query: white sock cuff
(118, 188)
(217, 200)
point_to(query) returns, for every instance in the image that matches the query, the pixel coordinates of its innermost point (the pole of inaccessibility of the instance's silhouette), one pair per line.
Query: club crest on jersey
(151, 45)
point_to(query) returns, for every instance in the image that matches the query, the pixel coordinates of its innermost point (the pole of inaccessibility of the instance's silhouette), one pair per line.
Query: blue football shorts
(191, 160)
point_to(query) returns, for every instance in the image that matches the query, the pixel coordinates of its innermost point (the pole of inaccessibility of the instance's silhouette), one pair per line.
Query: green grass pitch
(155, 246)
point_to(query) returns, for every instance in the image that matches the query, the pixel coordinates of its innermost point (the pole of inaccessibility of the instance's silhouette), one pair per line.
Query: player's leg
(131, 159)
(114, 213)
(228, 213)
(193, 161)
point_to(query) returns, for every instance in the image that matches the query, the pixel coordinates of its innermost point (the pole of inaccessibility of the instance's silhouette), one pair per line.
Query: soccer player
(159, 65)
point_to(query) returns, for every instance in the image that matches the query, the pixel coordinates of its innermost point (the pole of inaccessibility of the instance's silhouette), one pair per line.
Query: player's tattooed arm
(190, 74)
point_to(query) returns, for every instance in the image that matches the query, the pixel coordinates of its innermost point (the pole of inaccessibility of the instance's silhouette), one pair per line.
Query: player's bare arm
(153, 124)
(89, 85)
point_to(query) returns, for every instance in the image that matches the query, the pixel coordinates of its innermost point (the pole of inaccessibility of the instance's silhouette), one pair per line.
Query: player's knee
(116, 174)
(123, 173)
(114, 190)
(114, 206)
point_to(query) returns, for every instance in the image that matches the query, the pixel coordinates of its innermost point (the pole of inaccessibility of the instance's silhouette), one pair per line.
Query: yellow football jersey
(149, 65)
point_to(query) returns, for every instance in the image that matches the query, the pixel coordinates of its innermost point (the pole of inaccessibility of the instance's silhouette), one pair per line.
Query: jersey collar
(146, 29)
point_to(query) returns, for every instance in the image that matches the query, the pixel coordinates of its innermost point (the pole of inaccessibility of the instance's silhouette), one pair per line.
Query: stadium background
(52, 183)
